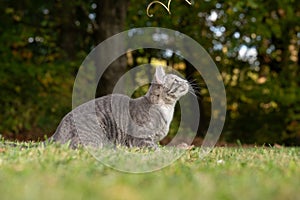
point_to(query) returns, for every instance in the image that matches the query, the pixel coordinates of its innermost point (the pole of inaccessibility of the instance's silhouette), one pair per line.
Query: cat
(117, 119)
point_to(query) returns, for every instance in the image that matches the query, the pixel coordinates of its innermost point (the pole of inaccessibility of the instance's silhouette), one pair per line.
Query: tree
(110, 19)
(43, 44)
(256, 47)
(255, 44)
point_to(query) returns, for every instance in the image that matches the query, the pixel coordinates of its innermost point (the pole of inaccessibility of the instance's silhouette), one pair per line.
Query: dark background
(254, 43)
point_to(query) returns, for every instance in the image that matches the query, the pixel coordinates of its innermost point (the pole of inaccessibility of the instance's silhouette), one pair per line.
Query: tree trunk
(110, 19)
(68, 32)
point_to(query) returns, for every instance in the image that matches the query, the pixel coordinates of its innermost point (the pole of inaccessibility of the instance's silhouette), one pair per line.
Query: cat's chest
(167, 112)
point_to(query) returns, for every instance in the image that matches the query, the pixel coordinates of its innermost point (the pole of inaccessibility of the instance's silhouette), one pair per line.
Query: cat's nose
(187, 85)
(185, 81)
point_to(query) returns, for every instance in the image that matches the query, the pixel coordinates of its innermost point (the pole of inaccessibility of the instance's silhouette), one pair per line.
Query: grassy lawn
(226, 173)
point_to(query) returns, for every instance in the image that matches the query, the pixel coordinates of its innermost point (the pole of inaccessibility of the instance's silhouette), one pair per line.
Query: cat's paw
(184, 146)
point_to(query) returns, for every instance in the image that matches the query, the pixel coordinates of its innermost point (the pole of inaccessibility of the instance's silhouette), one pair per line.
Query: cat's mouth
(184, 90)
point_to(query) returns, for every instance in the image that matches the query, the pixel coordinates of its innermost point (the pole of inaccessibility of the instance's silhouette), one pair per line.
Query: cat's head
(167, 88)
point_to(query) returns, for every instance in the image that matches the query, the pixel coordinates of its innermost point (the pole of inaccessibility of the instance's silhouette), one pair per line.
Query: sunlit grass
(57, 172)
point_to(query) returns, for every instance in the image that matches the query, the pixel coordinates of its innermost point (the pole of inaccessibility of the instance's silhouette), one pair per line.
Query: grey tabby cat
(119, 120)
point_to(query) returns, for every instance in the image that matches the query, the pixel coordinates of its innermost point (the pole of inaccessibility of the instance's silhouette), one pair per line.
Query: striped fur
(119, 120)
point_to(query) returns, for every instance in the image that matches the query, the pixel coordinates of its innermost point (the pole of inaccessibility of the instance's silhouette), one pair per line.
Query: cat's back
(91, 117)
(102, 104)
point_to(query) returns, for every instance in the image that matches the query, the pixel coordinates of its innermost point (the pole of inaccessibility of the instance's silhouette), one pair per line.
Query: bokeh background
(254, 43)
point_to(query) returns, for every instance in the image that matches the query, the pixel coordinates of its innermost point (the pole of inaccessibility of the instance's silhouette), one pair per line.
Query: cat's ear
(159, 75)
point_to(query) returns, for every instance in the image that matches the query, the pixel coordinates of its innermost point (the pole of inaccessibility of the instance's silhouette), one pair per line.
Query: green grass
(226, 173)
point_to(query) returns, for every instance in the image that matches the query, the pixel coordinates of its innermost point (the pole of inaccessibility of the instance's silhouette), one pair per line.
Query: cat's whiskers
(194, 83)
(194, 88)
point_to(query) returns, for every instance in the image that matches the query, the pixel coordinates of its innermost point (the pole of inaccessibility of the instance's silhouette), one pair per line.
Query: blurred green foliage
(36, 75)
(33, 98)
(254, 43)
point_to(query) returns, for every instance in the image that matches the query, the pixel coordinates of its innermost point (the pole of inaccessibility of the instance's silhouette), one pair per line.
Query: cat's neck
(166, 110)
(153, 94)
